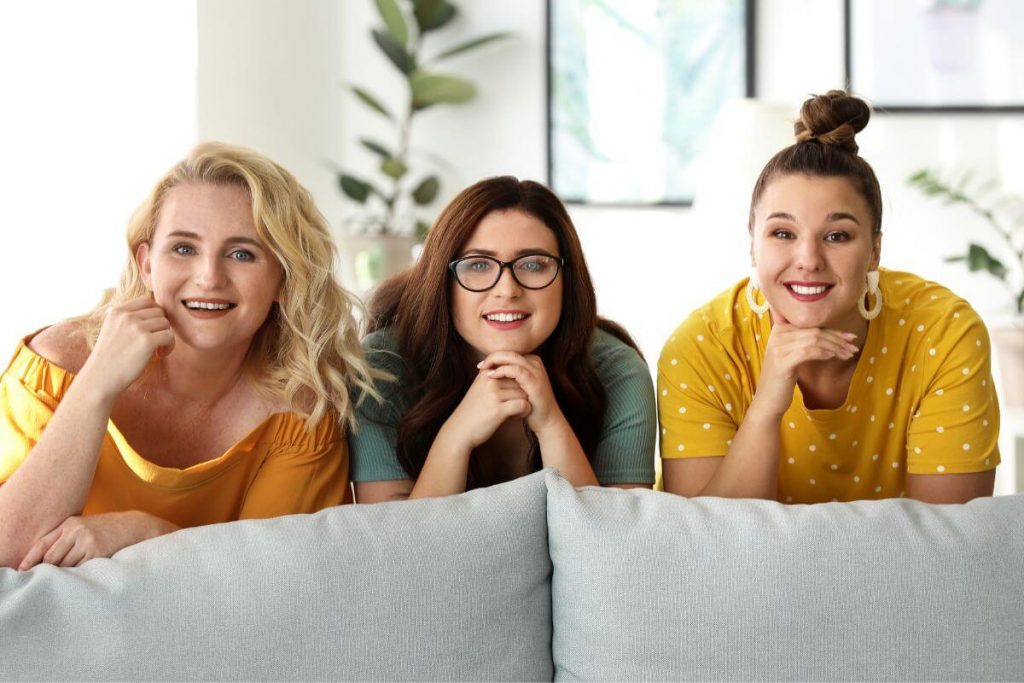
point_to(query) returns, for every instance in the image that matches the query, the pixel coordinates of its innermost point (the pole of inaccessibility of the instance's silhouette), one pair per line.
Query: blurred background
(97, 99)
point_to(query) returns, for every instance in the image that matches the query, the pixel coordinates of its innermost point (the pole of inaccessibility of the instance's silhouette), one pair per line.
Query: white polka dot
(967, 408)
(812, 448)
(931, 352)
(956, 315)
(792, 425)
(853, 409)
(791, 460)
(906, 301)
(920, 328)
(706, 425)
(680, 448)
(917, 450)
(978, 343)
(663, 431)
(875, 456)
(940, 429)
(835, 467)
(856, 479)
(934, 297)
(871, 419)
(986, 461)
(682, 410)
(711, 388)
(870, 379)
(664, 392)
(855, 442)
(729, 442)
(812, 482)
(728, 377)
(748, 356)
(940, 468)
(871, 360)
(902, 322)
(895, 465)
(728, 406)
(967, 446)
(966, 371)
(888, 392)
(984, 423)
(885, 349)
(984, 382)
(683, 386)
(674, 362)
(913, 368)
(878, 489)
(891, 425)
(700, 337)
(832, 436)
(757, 337)
(940, 392)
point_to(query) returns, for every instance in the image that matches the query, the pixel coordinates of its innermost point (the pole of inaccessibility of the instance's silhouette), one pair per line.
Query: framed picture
(936, 55)
(633, 86)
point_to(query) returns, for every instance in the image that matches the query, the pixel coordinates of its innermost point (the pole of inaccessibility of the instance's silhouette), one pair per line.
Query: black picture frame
(910, 104)
(748, 89)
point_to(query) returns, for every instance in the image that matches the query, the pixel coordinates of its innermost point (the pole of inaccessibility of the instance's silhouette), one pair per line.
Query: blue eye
(242, 255)
(183, 249)
(478, 265)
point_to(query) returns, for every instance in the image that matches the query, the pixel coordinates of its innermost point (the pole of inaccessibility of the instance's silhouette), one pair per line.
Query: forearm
(751, 467)
(560, 449)
(53, 482)
(446, 468)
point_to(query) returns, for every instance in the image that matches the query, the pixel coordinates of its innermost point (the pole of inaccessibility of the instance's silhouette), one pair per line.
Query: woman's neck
(200, 377)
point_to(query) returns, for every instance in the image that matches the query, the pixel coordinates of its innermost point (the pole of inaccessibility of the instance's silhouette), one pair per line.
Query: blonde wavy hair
(307, 352)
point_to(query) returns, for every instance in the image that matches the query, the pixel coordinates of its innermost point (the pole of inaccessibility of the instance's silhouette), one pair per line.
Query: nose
(209, 272)
(809, 255)
(507, 286)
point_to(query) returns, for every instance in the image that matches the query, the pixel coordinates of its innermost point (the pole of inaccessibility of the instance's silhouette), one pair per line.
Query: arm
(950, 488)
(53, 482)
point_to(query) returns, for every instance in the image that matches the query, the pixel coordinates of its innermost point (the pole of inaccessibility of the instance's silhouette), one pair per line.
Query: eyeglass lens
(533, 271)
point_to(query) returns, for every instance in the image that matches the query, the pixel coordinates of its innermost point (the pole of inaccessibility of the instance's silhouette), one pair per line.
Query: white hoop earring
(755, 283)
(870, 289)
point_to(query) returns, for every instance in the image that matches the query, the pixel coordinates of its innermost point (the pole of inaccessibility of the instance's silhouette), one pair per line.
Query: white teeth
(203, 305)
(504, 317)
(808, 291)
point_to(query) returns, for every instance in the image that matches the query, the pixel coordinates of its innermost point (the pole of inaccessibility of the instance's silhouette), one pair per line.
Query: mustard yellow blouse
(278, 469)
(921, 400)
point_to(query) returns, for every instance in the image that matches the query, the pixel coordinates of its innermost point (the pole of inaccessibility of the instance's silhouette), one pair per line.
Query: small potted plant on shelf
(1004, 215)
(394, 202)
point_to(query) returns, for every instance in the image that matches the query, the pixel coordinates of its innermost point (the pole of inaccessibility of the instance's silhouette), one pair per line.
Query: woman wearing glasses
(500, 361)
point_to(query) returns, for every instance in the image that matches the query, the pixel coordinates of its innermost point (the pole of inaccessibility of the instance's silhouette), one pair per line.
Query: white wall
(96, 100)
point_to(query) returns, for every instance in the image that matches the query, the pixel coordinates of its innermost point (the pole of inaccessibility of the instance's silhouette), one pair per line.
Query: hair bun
(834, 119)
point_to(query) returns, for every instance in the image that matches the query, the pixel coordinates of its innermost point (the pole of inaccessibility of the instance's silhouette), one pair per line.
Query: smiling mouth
(808, 290)
(195, 305)
(505, 317)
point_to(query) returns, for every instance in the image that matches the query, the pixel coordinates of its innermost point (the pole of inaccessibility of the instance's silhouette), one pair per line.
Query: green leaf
(422, 228)
(426, 191)
(955, 259)
(371, 102)
(430, 89)
(978, 259)
(394, 20)
(394, 168)
(376, 148)
(394, 50)
(471, 45)
(432, 14)
(354, 188)
(919, 176)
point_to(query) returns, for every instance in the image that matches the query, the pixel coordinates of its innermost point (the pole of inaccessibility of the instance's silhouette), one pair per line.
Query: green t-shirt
(625, 451)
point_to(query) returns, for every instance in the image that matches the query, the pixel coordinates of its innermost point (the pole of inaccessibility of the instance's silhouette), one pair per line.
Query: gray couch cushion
(652, 586)
(454, 588)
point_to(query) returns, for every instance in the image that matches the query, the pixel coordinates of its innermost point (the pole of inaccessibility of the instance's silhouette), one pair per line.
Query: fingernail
(490, 373)
(479, 365)
(850, 335)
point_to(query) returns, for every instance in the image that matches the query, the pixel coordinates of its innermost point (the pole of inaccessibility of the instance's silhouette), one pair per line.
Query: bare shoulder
(63, 344)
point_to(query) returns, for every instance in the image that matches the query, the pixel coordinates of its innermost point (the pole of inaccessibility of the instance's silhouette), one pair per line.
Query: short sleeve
(303, 474)
(697, 384)
(955, 428)
(373, 443)
(625, 452)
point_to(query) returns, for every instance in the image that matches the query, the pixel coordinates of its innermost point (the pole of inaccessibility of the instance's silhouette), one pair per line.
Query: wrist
(763, 411)
(87, 389)
(555, 425)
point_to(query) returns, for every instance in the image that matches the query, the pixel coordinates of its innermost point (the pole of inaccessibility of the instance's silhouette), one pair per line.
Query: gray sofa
(534, 579)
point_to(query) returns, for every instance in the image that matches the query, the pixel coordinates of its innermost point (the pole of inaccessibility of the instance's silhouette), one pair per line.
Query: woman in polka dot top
(821, 377)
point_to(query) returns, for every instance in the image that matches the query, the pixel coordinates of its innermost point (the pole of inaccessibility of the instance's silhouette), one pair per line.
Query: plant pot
(368, 260)
(1009, 346)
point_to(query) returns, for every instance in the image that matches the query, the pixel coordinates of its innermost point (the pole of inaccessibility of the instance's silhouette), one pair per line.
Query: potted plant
(1004, 215)
(394, 203)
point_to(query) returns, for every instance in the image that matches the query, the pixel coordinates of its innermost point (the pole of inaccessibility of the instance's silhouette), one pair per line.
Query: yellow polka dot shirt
(921, 400)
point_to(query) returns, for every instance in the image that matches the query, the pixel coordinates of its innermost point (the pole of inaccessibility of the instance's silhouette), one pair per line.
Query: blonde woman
(212, 385)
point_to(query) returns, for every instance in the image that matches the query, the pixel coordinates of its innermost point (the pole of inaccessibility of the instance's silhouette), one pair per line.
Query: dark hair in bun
(826, 146)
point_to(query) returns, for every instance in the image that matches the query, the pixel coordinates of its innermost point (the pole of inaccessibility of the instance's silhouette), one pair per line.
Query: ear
(876, 251)
(143, 263)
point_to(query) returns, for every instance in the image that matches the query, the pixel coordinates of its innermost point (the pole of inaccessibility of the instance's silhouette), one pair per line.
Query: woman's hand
(131, 334)
(789, 347)
(531, 376)
(79, 539)
(485, 407)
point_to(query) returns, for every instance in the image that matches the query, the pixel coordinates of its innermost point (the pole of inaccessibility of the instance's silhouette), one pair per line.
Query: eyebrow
(231, 240)
(494, 254)
(830, 218)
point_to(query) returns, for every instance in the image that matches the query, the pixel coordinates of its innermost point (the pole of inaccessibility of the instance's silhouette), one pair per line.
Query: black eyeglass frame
(502, 265)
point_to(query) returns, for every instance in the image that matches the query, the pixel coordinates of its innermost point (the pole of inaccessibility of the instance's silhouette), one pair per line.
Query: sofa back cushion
(653, 586)
(444, 589)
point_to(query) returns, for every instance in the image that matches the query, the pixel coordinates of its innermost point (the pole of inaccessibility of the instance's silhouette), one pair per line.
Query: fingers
(35, 554)
(499, 358)
(59, 550)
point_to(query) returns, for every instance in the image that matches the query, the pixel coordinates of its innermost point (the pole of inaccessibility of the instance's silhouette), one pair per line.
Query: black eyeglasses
(480, 273)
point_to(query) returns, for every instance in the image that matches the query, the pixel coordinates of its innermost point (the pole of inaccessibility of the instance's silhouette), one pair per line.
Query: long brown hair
(826, 146)
(416, 306)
